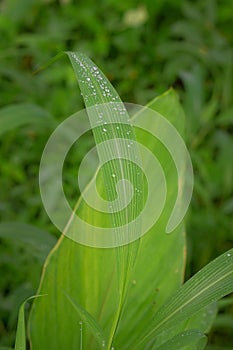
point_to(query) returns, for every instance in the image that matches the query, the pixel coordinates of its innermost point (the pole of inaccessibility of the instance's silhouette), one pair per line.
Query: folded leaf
(20, 341)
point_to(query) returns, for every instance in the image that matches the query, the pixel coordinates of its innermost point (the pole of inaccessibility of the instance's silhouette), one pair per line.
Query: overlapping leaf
(121, 292)
(94, 277)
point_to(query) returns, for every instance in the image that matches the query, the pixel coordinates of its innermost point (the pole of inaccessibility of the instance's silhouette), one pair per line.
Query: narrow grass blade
(110, 122)
(20, 114)
(89, 321)
(20, 341)
(203, 319)
(39, 241)
(194, 338)
(210, 284)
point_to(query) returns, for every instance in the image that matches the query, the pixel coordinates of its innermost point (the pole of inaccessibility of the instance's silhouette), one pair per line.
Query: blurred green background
(143, 47)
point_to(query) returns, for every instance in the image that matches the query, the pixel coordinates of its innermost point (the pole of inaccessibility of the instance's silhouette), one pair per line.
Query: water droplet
(88, 79)
(103, 344)
(104, 130)
(228, 254)
(113, 175)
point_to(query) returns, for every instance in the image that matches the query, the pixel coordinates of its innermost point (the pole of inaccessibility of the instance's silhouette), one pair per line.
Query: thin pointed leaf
(210, 284)
(195, 338)
(18, 115)
(20, 341)
(39, 241)
(203, 319)
(89, 321)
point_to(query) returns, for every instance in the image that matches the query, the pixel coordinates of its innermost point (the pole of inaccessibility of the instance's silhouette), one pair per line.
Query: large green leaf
(122, 287)
(94, 278)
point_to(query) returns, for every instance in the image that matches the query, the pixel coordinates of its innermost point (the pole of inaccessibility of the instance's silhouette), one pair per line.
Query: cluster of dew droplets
(95, 83)
(92, 74)
(92, 80)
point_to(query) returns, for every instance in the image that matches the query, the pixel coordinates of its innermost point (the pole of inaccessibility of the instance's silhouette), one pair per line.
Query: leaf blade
(20, 340)
(184, 339)
(93, 325)
(20, 114)
(210, 284)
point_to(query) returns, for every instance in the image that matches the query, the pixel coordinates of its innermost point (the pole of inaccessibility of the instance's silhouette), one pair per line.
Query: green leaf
(184, 339)
(210, 284)
(160, 263)
(203, 319)
(39, 241)
(115, 126)
(20, 341)
(89, 321)
(20, 114)
(121, 287)
(98, 285)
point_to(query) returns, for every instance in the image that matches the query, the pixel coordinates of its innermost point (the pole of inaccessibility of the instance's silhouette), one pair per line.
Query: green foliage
(181, 43)
(105, 288)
